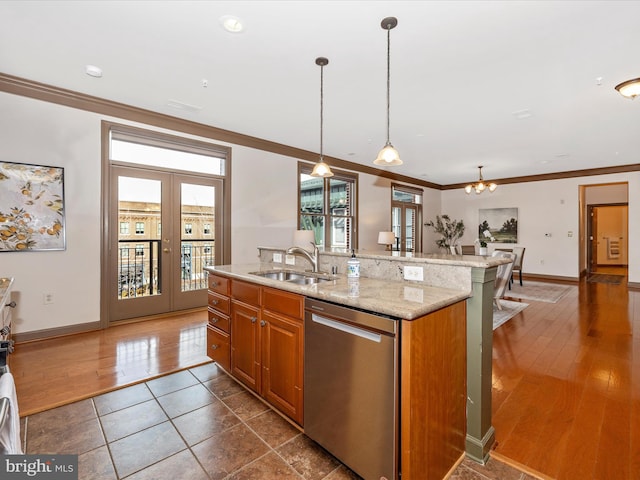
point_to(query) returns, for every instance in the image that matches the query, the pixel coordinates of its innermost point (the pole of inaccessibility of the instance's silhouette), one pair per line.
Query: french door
(162, 233)
(405, 226)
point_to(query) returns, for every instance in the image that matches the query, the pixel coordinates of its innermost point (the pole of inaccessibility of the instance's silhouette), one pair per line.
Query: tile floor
(195, 424)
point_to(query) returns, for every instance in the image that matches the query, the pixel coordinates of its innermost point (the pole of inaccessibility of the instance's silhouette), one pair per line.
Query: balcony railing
(139, 266)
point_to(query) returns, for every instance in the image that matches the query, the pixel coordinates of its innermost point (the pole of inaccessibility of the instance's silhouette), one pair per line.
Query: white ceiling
(462, 72)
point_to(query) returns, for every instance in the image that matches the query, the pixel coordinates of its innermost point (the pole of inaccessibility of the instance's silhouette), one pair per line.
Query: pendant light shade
(388, 156)
(321, 169)
(480, 186)
(630, 88)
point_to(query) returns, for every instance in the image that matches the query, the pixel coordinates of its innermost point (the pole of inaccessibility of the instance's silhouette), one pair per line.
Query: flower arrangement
(486, 237)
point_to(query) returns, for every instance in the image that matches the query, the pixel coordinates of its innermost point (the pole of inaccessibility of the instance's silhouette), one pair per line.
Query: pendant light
(388, 156)
(480, 186)
(630, 88)
(321, 169)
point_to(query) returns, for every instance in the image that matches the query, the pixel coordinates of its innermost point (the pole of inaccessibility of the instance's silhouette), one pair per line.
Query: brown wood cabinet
(256, 334)
(433, 392)
(218, 329)
(283, 351)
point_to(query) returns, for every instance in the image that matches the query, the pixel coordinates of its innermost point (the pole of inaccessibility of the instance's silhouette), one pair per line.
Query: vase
(482, 251)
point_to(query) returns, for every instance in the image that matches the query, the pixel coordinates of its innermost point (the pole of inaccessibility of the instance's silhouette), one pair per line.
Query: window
(124, 228)
(328, 207)
(188, 229)
(406, 217)
(139, 228)
(207, 229)
(139, 250)
(159, 230)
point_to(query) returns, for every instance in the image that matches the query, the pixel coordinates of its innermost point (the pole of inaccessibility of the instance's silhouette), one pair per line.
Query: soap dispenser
(353, 266)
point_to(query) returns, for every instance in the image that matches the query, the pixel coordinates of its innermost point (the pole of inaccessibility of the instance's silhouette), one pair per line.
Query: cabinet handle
(215, 302)
(262, 323)
(254, 319)
(214, 347)
(214, 320)
(215, 284)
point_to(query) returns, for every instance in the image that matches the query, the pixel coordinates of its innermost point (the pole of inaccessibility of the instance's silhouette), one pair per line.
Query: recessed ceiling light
(93, 71)
(183, 106)
(231, 24)
(522, 114)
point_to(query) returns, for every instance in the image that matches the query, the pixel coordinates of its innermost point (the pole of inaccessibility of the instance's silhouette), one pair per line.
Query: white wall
(264, 209)
(264, 192)
(547, 207)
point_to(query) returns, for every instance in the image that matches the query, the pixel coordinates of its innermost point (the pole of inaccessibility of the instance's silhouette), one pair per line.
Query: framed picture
(31, 207)
(501, 223)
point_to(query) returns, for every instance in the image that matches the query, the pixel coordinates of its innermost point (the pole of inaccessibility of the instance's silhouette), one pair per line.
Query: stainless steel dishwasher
(351, 398)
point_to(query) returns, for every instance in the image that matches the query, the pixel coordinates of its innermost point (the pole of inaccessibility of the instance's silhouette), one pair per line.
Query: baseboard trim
(633, 285)
(49, 333)
(550, 278)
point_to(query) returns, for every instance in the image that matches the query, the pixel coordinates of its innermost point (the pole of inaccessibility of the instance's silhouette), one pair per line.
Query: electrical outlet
(277, 258)
(47, 298)
(414, 273)
(290, 259)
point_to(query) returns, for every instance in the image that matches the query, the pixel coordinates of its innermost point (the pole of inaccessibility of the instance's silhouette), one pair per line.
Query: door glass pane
(139, 213)
(197, 226)
(410, 236)
(396, 227)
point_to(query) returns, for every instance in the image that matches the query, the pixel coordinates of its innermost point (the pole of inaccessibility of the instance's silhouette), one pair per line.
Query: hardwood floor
(566, 377)
(566, 384)
(54, 372)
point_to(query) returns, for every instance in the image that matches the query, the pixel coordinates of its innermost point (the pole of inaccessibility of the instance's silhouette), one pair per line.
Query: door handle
(262, 323)
(254, 319)
(166, 250)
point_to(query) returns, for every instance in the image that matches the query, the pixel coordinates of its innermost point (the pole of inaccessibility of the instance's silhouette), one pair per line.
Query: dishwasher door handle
(374, 337)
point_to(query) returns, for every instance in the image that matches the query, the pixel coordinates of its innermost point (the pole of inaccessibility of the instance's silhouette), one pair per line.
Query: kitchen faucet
(313, 258)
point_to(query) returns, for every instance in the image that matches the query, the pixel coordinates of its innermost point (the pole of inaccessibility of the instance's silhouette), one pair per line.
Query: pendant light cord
(388, 78)
(321, 109)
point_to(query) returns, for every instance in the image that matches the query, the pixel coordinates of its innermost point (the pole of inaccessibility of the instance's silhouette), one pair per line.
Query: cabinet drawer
(218, 320)
(218, 347)
(246, 292)
(283, 302)
(219, 303)
(219, 284)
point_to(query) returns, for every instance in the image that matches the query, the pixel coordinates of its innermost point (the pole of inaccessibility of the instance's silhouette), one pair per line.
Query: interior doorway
(608, 233)
(604, 228)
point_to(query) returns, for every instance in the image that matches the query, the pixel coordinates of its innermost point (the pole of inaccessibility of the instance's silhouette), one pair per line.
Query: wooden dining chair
(517, 264)
(468, 249)
(503, 276)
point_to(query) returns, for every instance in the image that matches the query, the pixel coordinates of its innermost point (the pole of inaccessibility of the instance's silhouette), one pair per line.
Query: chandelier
(480, 186)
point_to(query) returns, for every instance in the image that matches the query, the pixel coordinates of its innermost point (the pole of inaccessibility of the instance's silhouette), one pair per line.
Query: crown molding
(69, 98)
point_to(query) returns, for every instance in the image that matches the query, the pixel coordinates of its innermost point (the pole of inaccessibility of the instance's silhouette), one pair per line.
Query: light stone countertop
(480, 261)
(401, 299)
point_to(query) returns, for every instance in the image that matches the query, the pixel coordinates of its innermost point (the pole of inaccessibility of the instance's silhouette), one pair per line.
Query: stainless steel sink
(300, 278)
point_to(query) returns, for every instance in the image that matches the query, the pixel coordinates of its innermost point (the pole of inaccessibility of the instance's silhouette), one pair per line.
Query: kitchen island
(433, 338)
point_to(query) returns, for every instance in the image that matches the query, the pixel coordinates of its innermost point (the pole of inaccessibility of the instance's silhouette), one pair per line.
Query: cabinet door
(282, 364)
(218, 346)
(245, 344)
